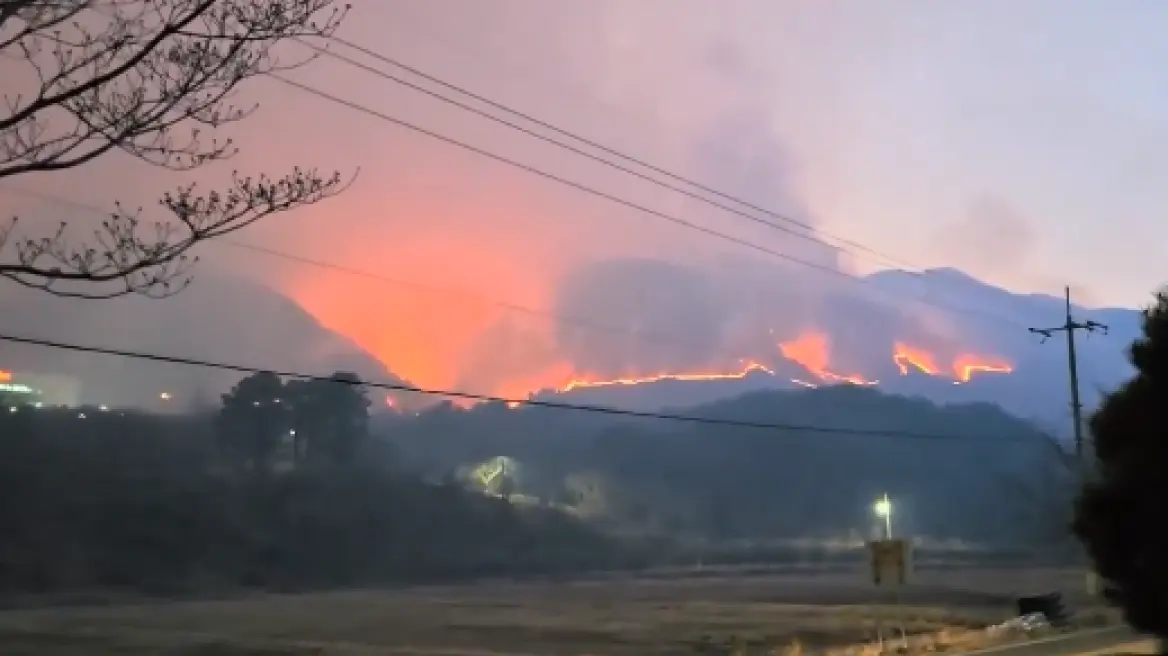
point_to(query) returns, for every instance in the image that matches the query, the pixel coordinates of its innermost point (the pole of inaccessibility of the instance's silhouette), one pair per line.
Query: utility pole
(1070, 326)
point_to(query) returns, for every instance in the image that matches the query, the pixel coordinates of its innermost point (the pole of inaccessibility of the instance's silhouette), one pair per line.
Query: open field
(618, 617)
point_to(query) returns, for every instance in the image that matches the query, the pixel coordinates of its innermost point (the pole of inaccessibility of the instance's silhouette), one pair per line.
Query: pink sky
(933, 132)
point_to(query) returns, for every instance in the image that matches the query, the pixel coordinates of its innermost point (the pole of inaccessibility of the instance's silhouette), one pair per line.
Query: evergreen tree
(330, 417)
(253, 421)
(1118, 511)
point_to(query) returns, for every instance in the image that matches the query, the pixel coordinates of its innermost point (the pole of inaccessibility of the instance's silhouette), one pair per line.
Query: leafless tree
(153, 79)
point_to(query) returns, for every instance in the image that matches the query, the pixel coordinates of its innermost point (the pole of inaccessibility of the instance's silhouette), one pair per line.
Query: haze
(1017, 141)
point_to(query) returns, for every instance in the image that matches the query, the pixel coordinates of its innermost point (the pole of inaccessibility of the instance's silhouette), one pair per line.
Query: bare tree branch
(153, 79)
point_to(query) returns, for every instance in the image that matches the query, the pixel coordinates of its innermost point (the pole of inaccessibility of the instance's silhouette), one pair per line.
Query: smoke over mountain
(213, 321)
(672, 315)
(559, 285)
(637, 317)
(739, 327)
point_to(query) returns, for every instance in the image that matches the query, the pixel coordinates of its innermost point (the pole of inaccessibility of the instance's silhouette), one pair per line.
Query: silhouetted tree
(153, 80)
(330, 417)
(302, 404)
(1117, 516)
(253, 421)
(135, 501)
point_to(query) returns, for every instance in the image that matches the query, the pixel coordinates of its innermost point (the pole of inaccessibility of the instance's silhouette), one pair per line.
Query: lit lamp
(883, 509)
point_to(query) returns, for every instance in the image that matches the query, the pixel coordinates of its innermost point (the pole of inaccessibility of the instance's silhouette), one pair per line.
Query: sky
(1017, 140)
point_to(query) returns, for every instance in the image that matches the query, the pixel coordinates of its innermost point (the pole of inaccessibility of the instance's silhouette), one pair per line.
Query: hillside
(228, 319)
(968, 472)
(979, 318)
(218, 319)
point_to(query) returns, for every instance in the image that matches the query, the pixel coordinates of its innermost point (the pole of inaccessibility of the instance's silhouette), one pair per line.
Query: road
(1141, 647)
(1092, 642)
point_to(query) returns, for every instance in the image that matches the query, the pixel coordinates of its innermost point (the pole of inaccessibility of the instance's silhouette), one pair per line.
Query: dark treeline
(293, 485)
(282, 487)
(964, 472)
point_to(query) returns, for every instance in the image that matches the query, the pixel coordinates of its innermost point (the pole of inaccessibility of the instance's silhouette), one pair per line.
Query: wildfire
(963, 368)
(813, 351)
(748, 367)
(810, 349)
(906, 356)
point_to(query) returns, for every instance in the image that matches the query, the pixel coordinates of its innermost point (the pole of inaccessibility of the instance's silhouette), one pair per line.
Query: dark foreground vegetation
(286, 485)
(1119, 511)
(965, 473)
(105, 499)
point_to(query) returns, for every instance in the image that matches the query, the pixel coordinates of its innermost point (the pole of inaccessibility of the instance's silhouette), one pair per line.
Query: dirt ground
(768, 614)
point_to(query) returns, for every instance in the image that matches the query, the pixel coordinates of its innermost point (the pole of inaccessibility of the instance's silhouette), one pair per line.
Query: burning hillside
(962, 368)
(747, 368)
(811, 350)
(620, 325)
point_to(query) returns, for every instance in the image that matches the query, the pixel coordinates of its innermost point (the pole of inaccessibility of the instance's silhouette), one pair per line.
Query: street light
(883, 509)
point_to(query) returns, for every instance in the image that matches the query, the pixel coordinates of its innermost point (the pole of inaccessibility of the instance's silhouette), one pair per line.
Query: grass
(787, 614)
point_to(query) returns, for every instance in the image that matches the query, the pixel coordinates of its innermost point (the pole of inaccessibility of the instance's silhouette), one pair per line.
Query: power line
(271, 252)
(552, 176)
(580, 321)
(885, 259)
(475, 397)
(484, 398)
(1070, 327)
(507, 305)
(809, 236)
(611, 197)
(590, 190)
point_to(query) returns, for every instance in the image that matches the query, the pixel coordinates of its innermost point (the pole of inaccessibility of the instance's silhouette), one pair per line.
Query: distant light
(12, 408)
(38, 404)
(255, 403)
(292, 431)
(81, 415)
(882, 507)
(103, 408)
(165, 396)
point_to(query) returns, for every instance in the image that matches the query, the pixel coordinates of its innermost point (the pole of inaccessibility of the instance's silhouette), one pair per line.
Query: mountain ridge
(232, 320)
(1036, 389)
(213, 320)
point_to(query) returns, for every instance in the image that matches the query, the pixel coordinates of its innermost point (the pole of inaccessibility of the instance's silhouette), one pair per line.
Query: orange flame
(748, 367)
(813, 351)
(963, 368)
(905, 356)
(5, 376)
